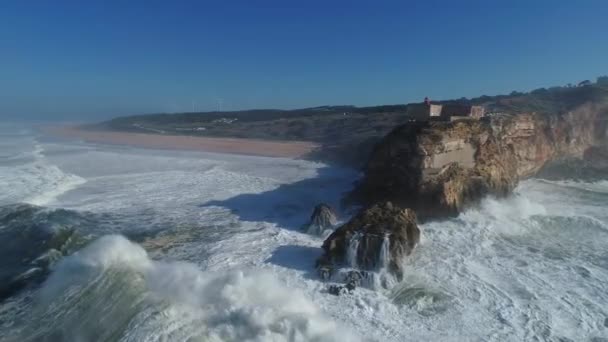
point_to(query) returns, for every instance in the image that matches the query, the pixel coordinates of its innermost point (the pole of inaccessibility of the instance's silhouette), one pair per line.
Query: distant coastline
(285, 149)
(345, 134)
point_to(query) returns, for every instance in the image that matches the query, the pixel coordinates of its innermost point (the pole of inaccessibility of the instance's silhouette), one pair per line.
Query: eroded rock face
(322, 219)
(593, 167)
(377, 238)
(438, 169)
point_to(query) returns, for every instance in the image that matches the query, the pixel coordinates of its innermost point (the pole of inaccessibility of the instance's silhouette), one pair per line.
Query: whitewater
(162, 245)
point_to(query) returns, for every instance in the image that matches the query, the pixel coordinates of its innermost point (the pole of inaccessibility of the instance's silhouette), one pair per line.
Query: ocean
(115, 243)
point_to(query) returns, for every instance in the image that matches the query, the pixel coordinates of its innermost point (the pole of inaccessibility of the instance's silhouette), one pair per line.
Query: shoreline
(250, 147)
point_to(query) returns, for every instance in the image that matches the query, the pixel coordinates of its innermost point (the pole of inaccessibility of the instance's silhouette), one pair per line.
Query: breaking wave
(32, 240)
(111, 290)
(36, 181)
(532, 266)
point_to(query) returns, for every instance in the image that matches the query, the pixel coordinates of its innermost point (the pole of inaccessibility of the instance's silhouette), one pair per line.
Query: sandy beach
(287, 149)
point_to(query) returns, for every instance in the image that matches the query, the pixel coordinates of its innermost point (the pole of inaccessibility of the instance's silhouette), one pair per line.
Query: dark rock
(377, 238)
(322, 219)
(350, 286)
(353, 277)
(335, 290)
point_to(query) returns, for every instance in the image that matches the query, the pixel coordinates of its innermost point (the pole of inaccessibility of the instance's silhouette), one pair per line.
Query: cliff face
(440, 168)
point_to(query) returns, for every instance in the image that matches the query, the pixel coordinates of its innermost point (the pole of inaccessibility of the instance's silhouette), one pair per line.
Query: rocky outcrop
(377, 238)
(440, 168)
(322, 219)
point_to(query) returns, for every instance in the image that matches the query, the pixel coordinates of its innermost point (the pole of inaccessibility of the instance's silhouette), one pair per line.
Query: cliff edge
(440, 168)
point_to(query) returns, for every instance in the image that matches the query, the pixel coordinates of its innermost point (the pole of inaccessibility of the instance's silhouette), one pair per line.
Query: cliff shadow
(394, 169)
(299, 258)
(290, 205)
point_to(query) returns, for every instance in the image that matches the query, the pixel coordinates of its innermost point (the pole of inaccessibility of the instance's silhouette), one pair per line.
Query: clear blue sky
(95, 59)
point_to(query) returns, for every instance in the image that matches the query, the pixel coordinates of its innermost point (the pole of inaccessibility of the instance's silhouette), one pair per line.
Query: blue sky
(95, 59)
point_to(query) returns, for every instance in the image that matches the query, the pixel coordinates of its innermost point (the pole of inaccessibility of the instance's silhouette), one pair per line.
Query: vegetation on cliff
(347, 133)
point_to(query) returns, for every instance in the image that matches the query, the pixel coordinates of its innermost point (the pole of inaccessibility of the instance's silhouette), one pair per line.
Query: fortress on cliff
(427, 111)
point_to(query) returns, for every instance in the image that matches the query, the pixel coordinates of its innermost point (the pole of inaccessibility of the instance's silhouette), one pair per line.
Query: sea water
(185, 246)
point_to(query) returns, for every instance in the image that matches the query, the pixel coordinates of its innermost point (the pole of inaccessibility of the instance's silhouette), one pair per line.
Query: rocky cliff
(439, 168)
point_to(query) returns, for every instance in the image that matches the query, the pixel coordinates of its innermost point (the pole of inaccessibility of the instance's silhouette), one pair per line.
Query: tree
(602, 80)
(539, 91)
(584, 83)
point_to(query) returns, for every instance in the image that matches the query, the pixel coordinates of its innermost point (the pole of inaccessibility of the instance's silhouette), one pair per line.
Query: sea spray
(384, 255)
(352, 250)
(112, 290)
(508, 271)
(55, 181)
(382, 278)
(35, 180)
(376, 278)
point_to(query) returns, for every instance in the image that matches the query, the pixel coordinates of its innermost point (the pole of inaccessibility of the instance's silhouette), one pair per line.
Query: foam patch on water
(112, 289)
(38, 182)
(532, 266)
(505, 215)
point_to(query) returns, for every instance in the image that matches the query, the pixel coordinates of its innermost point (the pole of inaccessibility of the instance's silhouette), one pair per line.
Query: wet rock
(335, 290)
(350, 286)
(353, 277)
(597, 158)
(322, 219)
(325, 272)
(378, 238)
(338, 290)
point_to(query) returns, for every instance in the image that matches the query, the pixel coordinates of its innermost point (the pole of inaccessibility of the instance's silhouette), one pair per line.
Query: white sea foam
(521, 268)
(352, 250)
(37, 181)
(170, 301)
(384, 256)
(597, 186)
(532, 266)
